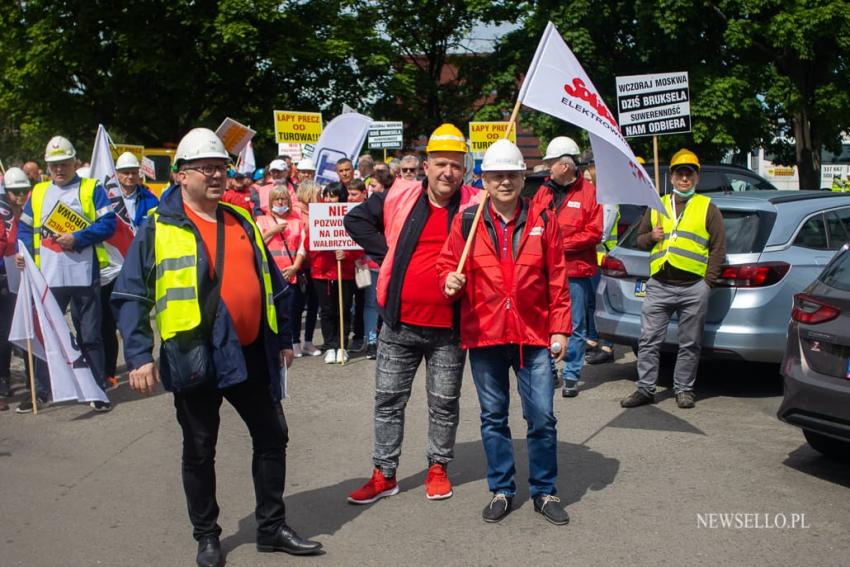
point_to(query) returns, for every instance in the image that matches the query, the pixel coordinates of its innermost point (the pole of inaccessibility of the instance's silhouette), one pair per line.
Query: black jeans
(108, 331)
(197, 413)
(329, 303)
(7, 310)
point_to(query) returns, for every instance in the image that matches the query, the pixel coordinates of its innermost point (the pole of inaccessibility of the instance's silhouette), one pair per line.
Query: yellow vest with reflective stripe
(176, 288)
(609, 244)
(87, 187)
(686, 246)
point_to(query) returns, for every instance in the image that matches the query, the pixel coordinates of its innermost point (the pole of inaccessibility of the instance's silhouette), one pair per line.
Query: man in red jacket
(572, 201)
(514, 303)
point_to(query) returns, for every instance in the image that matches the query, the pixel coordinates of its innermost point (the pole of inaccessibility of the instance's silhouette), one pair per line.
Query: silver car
(777, 242)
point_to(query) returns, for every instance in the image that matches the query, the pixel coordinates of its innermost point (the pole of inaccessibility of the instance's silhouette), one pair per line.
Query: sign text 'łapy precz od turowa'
(653, 105)
(297, 127)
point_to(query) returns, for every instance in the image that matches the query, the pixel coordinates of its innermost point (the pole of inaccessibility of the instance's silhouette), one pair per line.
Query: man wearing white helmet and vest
(70, 261)
(514, 307)
(687, 249)
(404, 230)
(224, 329)
(137, 199)
(571, 200)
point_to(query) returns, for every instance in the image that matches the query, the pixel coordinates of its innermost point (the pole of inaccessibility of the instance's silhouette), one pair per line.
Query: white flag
(342, 138)
(103, 169)
(247, 162)
(557, 85)
(39, 319)
(102, 166)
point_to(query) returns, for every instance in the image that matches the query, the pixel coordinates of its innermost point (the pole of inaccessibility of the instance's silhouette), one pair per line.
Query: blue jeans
(581, 289)
(370, 313)
(592, 333)
(490, 367)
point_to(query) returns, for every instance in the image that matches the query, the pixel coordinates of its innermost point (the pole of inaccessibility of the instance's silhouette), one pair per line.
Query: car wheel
(828, 446)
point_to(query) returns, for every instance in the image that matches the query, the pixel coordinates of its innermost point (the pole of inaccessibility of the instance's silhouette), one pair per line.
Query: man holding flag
(70, 260)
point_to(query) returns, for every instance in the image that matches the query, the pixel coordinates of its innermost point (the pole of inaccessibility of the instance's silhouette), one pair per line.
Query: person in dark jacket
(243, 338)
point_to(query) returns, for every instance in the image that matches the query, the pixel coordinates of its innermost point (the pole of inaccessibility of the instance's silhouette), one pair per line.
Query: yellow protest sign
(118, 149)
(63, 219)
(297, 127)
(234, 135)
(483, 134)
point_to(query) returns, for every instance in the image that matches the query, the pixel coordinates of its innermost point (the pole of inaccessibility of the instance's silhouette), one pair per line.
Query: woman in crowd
(308, 192)
(283, 233)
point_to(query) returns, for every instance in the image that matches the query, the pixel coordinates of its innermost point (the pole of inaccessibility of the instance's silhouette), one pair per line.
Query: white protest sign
(386, 135)
(294, 151)
(326, 229)
(234, 135)
(148, 168)
(557, 84)
(650, 105)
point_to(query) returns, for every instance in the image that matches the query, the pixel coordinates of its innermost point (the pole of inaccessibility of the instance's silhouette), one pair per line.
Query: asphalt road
(80, 489)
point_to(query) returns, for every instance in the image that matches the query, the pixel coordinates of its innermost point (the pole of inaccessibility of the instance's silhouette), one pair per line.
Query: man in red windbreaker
(571, 199)
(514, 303)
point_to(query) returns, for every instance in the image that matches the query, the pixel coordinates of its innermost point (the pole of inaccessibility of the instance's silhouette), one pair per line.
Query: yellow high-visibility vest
(176, 288)
(87, 187)
(685, 246)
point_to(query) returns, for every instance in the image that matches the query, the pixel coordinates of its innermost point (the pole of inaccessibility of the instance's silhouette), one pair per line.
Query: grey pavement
(80, 489)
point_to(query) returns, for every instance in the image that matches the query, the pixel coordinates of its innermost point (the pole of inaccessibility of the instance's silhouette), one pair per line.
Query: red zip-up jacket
(535, 306)
(580, 219)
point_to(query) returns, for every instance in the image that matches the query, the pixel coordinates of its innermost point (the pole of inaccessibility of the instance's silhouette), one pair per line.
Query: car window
(837, 272)
(746, 231)
(837, 232)
(812, 234)
(740, 182)
(844, 217)
(712, 181)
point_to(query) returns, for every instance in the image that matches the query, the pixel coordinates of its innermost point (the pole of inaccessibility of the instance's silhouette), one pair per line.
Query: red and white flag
(103, 169)
(39, 322)
(557, 84)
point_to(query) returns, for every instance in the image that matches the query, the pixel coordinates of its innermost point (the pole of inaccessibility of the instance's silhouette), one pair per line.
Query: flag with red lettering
(557, 84)
(39, 322)
(103, 169)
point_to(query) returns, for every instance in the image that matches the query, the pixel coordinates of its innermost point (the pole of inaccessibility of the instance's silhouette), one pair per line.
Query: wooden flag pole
(483, 203)
(341, 314)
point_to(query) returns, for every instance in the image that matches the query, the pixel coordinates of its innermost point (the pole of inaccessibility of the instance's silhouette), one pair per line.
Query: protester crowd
(449, 264)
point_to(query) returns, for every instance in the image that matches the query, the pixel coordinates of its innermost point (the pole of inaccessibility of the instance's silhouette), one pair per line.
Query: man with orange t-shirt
(235, 348)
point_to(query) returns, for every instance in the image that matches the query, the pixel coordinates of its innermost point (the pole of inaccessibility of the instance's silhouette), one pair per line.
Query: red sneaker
(437, 483)
(378, 487)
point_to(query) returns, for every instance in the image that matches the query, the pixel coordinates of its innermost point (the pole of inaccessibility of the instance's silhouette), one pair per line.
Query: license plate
(640, 288)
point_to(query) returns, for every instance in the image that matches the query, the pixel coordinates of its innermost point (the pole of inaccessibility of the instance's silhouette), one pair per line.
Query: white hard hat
(59, 149)
(561, 146)
(306, 164)
(200, 143)
(127, 161)
(278, 165)
(503, 155)
(15, 178)
(84, 172)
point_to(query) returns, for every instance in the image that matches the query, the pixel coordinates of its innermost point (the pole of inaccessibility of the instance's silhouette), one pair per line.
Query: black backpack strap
(466, 221)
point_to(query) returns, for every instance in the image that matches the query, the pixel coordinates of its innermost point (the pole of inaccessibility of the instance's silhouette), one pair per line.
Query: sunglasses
(408, 170)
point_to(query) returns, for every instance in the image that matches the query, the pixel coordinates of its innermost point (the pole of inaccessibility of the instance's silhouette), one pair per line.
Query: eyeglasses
(408, 170)
(208, 170)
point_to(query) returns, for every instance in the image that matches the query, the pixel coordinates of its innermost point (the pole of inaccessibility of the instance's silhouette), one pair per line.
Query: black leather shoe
(685, 400)
(285, 539)
(209, 552)
(552, 509)
(498, 508)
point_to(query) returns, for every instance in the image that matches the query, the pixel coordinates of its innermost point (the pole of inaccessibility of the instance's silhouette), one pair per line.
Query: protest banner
(297, 127)
(117, 149)
(343, 138)
(246, 162)
(386, 136)
(294, 151)
(148, 168)
(234, 135)
(63, 219)
(483, 134)
(651, 105)
(40, 326)
(327, 233)
(557, 84)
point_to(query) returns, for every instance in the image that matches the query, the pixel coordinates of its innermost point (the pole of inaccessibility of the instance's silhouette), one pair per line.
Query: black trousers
(329, 304)
(7, 310)
(108, 331)
(197, 413)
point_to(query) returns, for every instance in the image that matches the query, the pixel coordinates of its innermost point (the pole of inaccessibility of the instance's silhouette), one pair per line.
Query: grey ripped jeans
(690, 303)
(400, 352)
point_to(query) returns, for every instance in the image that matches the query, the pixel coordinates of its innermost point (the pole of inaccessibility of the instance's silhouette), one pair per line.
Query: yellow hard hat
(684, 157)
(446, 138)
(640, 160)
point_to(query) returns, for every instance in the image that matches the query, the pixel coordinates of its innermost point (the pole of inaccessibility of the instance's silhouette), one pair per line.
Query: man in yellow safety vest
(688, 247)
